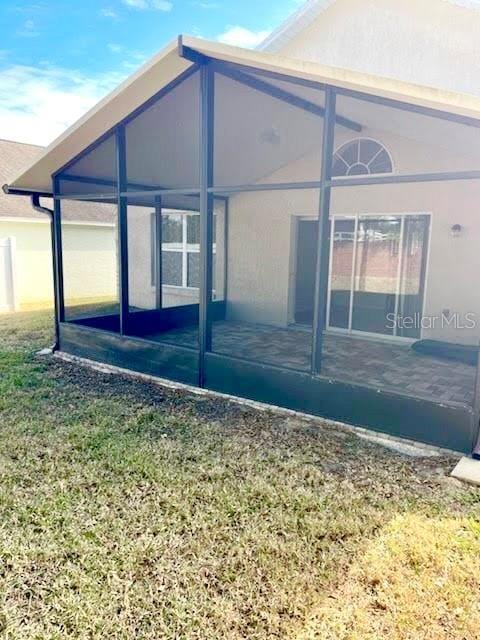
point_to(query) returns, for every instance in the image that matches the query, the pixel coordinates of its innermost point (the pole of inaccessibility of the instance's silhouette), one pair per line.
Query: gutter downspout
(35, 200)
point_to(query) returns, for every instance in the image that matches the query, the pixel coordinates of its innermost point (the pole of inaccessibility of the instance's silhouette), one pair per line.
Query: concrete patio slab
(467, 470)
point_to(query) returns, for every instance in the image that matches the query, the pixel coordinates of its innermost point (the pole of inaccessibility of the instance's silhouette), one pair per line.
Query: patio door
(307, 243)
(377, 274)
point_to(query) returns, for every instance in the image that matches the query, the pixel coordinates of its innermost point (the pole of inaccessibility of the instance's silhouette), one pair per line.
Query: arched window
(361, 157)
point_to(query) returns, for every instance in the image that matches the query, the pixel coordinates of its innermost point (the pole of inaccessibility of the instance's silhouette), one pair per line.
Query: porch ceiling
(169, 64)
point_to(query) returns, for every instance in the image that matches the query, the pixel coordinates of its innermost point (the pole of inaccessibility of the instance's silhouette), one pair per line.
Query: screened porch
(290, 241)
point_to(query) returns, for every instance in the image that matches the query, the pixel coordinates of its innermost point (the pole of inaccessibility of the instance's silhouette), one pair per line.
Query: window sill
(188, 292)
(181, 291)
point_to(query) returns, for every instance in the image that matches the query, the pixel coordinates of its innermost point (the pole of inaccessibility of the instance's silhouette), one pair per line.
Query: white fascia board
(74, 223)
(298, 22)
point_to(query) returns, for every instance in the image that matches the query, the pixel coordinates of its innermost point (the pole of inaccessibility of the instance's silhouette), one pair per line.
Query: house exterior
(432, 43)
(308, 240)
(26, 279)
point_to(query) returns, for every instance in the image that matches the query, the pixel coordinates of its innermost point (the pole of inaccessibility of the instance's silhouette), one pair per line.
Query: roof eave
(292, 26)
(169, 65)
(12, 191)
(101, 111)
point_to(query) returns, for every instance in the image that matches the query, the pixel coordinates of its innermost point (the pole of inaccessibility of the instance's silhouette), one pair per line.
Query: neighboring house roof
(308, 12)
(14, 158)
(168, 65)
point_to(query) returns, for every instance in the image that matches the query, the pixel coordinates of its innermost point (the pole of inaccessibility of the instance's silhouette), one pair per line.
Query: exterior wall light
(456, 230)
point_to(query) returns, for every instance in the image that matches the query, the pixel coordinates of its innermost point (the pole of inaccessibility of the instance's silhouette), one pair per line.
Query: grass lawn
(129, 511)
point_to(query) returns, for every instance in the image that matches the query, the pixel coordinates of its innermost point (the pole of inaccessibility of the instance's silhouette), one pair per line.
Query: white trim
(181, 291)
(184, 247)
(13, 271)
(370, 335)
(185, 251)
(74, 223)
(295, 24)
(11, 302)
(24, 220)
(370, 139)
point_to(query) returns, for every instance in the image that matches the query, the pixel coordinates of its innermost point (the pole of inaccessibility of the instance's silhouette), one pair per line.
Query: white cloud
(136, 4)
(115, 48)
(159, 5)
(108, 13)
(37, 104)
(162, 5)
(206, 4)
(28, 30)
(241, 37)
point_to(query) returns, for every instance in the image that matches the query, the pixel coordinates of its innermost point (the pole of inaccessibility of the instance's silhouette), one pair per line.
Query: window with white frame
(360, 157)
(180, 249)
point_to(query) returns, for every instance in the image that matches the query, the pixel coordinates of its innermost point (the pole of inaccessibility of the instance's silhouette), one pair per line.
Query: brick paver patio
(370, 362)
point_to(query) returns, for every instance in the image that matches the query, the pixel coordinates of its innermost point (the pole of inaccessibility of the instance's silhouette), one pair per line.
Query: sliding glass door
(412, 280)
(377, 269)
(377, 274)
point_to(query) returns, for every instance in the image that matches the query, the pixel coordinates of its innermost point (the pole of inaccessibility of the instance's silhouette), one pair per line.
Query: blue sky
(59, 57)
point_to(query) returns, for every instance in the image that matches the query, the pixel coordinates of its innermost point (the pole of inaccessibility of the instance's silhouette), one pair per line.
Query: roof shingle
(17, 156)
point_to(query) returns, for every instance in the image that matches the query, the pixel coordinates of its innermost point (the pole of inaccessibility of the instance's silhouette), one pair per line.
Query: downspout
(35, 200)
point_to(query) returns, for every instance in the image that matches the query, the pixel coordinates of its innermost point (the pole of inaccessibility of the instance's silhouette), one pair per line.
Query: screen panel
(90, 259)
(162, 142)
(401, 141)
(95, 172)
(266, 131)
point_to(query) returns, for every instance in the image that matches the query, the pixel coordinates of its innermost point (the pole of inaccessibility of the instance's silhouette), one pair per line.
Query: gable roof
(309, 11)
(14, 158)
(169, 64)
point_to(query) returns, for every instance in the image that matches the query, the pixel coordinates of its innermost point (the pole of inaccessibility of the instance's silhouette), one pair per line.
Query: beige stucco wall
(33, 262)
(90, 262)
(428, 42)
(89, 265)
(262, 236)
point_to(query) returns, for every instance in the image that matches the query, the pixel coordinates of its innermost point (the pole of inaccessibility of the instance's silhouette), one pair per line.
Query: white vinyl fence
(8, 301)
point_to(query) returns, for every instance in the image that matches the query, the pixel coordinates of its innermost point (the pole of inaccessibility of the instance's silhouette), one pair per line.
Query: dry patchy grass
(418, 578)
(130, 511)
